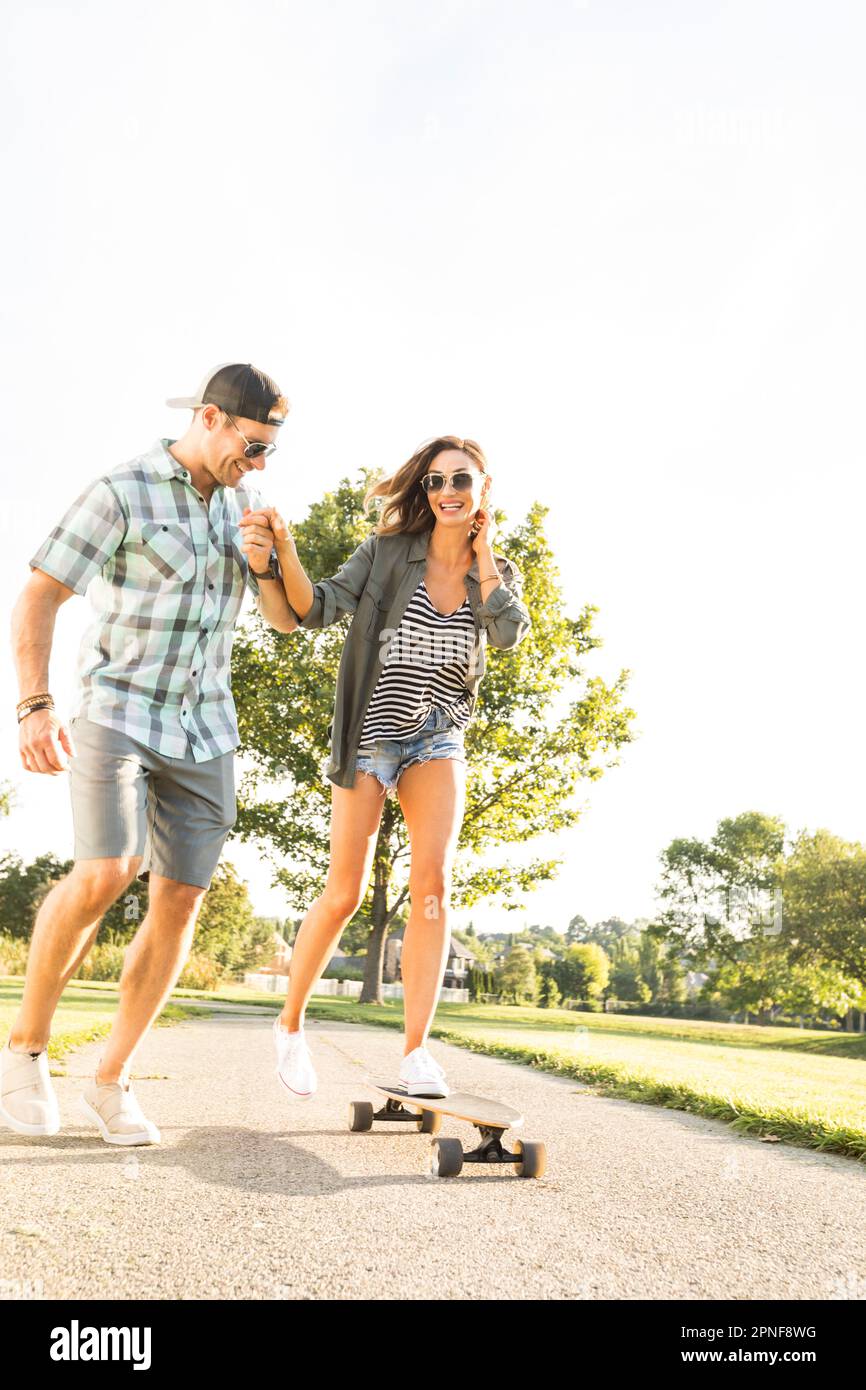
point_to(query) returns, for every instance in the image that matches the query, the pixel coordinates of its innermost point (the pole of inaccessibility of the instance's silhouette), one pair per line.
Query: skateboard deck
(461, 1106)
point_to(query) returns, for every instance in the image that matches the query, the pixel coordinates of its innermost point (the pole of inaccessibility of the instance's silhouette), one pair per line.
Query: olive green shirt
(375, 584)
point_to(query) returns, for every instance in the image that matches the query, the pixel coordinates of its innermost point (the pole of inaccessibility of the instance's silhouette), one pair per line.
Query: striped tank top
(426, 665)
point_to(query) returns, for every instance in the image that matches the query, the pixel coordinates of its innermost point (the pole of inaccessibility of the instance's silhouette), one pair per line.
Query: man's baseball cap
(242, 390)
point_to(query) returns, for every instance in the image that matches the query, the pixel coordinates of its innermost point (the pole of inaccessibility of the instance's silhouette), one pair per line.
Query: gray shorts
(127, 799)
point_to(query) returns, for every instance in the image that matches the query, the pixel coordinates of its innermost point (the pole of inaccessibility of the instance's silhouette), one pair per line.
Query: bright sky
(620, 244)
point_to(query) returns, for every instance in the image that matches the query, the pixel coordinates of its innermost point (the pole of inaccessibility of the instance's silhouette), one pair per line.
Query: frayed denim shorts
(387, 758)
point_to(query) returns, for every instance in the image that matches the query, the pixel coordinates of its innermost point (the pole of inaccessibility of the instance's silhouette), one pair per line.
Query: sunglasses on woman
(255, 448)
(461, 481)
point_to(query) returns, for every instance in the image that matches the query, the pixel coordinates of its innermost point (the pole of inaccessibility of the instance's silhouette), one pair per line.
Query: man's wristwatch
(270, 573)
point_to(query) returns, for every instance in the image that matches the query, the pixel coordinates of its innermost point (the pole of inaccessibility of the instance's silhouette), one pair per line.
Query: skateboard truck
(490, 1150)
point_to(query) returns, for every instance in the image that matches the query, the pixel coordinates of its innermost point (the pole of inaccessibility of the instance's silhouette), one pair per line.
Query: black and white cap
(242, 390)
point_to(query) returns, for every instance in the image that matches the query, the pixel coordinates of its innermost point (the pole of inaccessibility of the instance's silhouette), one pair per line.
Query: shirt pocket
(373, 601)
(169, 548)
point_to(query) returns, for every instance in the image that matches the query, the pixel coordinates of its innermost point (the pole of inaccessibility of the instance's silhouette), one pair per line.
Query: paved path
(252, 1197)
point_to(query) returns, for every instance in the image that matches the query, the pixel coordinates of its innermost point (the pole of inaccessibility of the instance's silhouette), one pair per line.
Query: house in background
(278, 962)
(457, 967)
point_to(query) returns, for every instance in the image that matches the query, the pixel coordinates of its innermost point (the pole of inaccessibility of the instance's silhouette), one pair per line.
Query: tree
(717, 894)
(228, 931)
(516, 977)
(583, 972)
(22, 888)
(549, 996)
(765, 982)
(576, 931)
(824, 902)
(540, 727)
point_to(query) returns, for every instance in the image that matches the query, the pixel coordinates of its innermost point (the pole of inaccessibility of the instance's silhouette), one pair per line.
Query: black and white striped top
(427, 664)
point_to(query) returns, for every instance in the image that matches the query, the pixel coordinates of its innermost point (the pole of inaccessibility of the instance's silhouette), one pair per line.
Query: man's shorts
(127, 799)
(388, 758)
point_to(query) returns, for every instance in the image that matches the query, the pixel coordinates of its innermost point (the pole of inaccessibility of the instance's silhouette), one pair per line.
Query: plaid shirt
(166, 576)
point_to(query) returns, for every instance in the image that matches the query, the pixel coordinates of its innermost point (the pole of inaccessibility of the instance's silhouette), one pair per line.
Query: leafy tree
(576, 931)
(22, 888)
(516, 977)
(583, 972)
(540, 727)
(228, 931)
(824, 902)
(719, 893)
(765, 982)
(626, 981)
(549, 996)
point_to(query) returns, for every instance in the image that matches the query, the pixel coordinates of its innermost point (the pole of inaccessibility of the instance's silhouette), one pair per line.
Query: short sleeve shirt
(166, 576)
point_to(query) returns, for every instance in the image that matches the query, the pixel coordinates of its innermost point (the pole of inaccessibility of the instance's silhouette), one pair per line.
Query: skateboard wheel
(447, 1158)
(533, 1159)
(430, 1122)
(360, 1116)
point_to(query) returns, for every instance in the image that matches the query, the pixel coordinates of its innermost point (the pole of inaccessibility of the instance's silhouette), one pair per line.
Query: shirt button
(195, 673)
(210, 586)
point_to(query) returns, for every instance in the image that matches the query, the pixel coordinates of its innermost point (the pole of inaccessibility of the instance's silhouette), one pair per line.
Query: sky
(619, 244)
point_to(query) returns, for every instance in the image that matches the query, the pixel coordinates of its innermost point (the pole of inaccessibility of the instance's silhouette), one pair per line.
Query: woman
(427, 593)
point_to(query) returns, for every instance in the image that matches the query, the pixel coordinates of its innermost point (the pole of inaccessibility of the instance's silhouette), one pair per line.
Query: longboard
(489, 1117)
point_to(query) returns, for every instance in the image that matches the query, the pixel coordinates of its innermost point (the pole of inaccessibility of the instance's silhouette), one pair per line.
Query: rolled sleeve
(503, 615)
(338, 595)
(85, 538)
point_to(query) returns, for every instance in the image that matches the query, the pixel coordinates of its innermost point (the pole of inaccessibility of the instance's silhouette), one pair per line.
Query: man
(157, 543)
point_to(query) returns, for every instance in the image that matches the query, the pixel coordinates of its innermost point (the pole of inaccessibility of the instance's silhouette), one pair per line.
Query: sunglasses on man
(255, 448)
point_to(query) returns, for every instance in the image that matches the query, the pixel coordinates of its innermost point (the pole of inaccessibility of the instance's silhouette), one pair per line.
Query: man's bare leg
(154, 959)
(63, 933)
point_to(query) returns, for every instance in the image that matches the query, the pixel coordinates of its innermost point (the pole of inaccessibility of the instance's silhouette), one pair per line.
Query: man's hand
(261, 531)
(257, 538)
(44, 742)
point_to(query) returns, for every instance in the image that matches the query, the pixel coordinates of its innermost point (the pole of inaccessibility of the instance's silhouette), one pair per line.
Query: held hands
(45, 743)
(261, 531)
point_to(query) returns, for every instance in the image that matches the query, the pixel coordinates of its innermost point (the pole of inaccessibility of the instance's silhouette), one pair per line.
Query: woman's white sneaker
(294, 1064)
(422, 1075)
(115, 1110)
(27, 1100)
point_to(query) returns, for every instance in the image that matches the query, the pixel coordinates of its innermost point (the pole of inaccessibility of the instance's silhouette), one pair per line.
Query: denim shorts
(387, 758)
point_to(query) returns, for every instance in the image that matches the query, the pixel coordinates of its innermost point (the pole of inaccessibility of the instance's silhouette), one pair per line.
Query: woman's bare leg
(432, 797)
(355, 816)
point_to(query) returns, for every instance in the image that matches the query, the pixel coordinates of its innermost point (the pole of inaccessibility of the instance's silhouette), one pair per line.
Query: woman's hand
(482, 538)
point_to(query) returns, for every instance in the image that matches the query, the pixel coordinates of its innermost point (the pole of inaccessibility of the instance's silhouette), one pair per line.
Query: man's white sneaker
(115, 1109)
(294, 1064)
(422, 1075)
(27, 1100)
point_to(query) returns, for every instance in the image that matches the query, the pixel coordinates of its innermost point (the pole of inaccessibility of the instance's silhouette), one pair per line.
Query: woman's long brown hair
(405, 509)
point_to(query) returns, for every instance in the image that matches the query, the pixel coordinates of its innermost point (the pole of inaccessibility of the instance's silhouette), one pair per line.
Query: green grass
(84, 1015)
